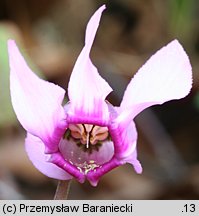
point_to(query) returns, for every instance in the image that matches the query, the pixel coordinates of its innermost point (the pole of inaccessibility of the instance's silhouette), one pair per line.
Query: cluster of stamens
(87, 166)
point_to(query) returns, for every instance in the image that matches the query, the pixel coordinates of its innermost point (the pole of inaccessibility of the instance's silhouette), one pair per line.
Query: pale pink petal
(37, 103)
(167, 75)
(35, 149)
(87, 89)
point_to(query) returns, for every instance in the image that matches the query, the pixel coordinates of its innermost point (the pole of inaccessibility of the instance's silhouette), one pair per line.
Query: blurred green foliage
(7, 116)
(181, 16)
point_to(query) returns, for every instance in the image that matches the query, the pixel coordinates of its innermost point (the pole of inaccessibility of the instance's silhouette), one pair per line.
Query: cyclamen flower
(88, 136)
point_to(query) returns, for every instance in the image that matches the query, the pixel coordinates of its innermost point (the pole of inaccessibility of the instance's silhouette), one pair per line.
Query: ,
(88, 136)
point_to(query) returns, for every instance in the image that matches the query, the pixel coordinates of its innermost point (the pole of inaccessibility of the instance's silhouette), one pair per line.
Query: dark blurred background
(51, 34)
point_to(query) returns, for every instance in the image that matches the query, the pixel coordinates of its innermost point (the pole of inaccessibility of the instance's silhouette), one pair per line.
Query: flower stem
(62, 190)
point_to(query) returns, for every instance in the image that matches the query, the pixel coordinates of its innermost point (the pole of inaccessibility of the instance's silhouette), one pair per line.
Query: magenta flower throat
(88, 137)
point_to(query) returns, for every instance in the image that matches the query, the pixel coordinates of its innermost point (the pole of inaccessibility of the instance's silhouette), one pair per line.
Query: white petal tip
(11, 43)
(138, 169)
(94, 183)
(103, 7)
(137, 166)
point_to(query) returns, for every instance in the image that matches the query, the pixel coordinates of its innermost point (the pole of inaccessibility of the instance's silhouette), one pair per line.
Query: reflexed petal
(124, 135)
(87, 89)
(37, 103)
(35, 150)
(167, 75)
(132, 159)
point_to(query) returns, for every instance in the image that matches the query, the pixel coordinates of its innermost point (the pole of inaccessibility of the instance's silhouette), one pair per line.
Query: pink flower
(88, 136)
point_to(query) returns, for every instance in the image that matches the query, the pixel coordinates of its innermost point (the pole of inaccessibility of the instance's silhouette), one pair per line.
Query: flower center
(88, 137)
(86, 146)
